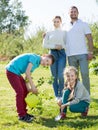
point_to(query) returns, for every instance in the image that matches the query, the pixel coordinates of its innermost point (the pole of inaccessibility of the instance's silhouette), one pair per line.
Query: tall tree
(12, 16)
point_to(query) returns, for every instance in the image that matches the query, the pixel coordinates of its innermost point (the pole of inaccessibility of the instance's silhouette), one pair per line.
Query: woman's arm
(48, 41)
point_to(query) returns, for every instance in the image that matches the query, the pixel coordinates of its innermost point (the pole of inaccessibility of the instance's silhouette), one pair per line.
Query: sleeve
(78, 94)
(33, 59)
(86, 28)
(46, 42)
(64, 39)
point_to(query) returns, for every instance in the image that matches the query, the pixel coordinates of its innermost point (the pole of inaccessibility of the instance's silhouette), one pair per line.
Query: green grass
(45, 116)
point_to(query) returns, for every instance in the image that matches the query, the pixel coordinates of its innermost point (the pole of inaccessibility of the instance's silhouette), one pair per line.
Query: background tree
(12, 17)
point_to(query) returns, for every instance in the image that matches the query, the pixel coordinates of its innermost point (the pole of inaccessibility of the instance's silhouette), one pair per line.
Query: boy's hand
(29, 89)
(34, 90)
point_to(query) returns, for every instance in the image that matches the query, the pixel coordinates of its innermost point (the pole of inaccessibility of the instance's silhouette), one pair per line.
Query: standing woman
(55, 41)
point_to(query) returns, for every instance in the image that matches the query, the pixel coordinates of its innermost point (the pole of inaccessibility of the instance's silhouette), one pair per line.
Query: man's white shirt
(75, 37)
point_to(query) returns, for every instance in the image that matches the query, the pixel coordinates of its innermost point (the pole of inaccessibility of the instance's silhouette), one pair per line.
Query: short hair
(51, 57)
(74, 7)
(59, 17)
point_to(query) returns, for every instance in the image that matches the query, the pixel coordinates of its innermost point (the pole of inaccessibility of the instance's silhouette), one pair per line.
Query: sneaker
(84, 114)
(58, 98)
(63, 115)
(26, 118)
(60, 116)
(30, 115)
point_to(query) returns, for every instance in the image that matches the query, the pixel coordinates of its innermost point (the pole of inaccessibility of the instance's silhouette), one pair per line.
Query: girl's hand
(62, 107)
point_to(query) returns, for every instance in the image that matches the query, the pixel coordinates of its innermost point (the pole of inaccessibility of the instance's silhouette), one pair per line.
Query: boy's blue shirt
(19, 64)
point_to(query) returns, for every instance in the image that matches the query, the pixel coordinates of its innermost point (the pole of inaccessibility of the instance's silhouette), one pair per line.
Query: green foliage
(34, 44)
(14, 44)
(12, 17)
(50, 80)
(42, 80)
(94, 66)
(42, 95)
(11, 45)
(94, 28)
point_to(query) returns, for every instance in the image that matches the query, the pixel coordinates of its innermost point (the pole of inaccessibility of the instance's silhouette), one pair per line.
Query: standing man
(77, 50)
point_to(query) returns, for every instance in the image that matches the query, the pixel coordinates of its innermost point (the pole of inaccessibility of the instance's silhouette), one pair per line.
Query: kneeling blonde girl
(75, 95)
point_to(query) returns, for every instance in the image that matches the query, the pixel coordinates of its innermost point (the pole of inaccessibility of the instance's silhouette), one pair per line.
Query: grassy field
(44, 116)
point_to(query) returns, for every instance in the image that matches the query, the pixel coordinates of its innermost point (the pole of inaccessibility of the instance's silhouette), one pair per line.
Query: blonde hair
(67, 70)
(70, 68)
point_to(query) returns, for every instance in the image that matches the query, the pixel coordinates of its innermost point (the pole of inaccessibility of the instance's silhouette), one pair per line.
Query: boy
(25, 63)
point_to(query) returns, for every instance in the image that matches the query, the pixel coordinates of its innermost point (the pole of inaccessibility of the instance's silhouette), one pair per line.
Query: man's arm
(90, 46)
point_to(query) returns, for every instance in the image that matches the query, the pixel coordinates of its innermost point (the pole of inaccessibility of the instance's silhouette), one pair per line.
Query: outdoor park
(13, 43)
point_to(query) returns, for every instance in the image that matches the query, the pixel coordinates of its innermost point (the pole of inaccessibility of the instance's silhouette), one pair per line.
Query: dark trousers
(18, 84)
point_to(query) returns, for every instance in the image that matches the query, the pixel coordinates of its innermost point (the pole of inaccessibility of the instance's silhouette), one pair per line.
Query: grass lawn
(49, 109)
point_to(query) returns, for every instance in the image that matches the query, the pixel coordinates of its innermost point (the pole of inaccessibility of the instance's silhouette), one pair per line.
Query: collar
(72, 23)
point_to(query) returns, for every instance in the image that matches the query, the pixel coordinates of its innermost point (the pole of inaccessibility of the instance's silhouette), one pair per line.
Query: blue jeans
(57, 71)
(82, 62)
(78, 108)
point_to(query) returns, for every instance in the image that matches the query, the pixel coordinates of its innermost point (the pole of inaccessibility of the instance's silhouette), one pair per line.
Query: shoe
(58, 98)
(84, 114)
(30, 115)
(27, 118)
(61, 116)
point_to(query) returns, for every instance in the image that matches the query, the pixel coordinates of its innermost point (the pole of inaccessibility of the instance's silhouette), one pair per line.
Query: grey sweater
(80, 94)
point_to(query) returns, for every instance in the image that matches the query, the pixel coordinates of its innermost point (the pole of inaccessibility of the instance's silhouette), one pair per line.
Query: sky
(42, 12)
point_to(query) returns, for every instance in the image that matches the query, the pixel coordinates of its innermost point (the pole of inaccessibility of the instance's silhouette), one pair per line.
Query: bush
(12, 45)
(94, 66)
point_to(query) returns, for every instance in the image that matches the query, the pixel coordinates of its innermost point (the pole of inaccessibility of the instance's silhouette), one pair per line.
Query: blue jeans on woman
(57, 70)
(78, 108)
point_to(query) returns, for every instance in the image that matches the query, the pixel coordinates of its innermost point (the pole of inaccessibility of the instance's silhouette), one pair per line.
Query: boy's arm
(28, 87)
(29, 78)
